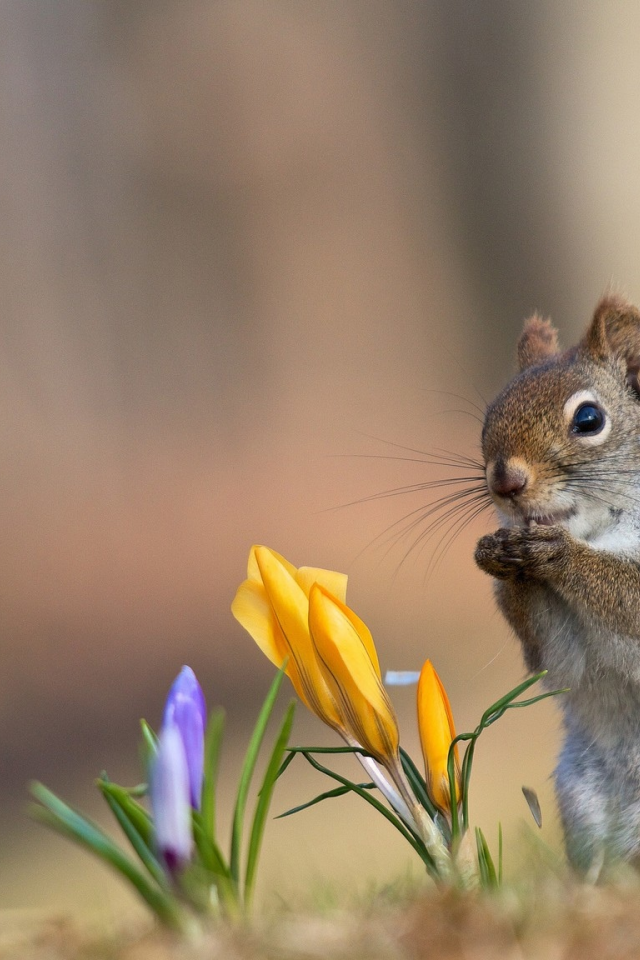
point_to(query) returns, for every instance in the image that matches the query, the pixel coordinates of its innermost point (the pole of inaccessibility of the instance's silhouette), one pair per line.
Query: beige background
(246, 249)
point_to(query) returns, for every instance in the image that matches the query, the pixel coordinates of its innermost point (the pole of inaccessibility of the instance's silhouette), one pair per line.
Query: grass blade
(149, 740)
(465, 776)
(541, 696)
(248, 767)
(286, 763)
(264, 801)
(59, 816)
(415, 842)
(212, 749)
(210, 853)
(488, 876)
(508, 697)
(328, 750)
(125, 815)
(328, 795)
(139, 817)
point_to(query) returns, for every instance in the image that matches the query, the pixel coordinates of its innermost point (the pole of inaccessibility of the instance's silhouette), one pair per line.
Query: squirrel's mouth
(548, 519)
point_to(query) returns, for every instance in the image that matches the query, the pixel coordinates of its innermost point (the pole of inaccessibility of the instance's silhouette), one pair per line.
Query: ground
(549, 920)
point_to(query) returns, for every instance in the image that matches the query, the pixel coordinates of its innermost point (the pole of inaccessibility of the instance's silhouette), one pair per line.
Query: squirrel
(561, 448)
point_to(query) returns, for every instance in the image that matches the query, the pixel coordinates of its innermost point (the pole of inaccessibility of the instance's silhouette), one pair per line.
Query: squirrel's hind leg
(599, 804)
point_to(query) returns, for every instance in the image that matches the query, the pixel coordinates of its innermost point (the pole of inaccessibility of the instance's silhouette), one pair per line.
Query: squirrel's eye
(588, 418)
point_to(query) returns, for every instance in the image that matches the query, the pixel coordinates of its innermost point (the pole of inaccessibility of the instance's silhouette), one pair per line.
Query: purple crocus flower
(170, 799)
(186, 708)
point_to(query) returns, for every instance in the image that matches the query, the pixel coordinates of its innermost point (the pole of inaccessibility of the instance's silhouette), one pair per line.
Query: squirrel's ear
(538, 342)
(615, 329)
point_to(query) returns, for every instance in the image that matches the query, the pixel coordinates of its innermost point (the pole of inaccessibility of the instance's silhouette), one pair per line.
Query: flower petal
(335, 583)
(170, 800)
(291, 609)
(352, 675)
(253, 570)
(186, 708)
(252, 609)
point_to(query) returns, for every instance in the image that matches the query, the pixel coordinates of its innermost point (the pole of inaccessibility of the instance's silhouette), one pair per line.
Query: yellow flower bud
(437, 731)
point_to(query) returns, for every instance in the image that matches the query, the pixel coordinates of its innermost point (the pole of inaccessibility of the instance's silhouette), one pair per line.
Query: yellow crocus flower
(437, 731)
(273, 606)
(349, 663)
(300, 615)
(336, 674)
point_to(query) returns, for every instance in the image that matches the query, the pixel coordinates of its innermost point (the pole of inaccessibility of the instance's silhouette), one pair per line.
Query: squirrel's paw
(516, 551)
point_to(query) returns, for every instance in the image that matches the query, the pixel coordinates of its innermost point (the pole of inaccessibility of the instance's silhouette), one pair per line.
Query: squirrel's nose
(508, 479)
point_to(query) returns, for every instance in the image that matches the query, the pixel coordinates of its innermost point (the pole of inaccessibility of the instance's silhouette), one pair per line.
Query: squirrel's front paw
(517, 551)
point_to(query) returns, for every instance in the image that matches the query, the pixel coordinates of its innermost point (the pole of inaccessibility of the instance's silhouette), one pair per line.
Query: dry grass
(549, 919)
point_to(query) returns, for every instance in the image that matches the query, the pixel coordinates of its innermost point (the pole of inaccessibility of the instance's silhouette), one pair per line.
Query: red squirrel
(561, 447)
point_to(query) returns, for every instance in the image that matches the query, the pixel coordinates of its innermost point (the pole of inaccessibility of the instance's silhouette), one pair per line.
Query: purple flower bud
(170, 801)
(186, 708)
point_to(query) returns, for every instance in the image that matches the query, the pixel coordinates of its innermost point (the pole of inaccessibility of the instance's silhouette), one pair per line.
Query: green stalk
(212, 749)
(264, 801)
(248, 767)
(65, 820)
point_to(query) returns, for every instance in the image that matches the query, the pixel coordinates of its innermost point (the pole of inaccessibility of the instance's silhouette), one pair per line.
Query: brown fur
(538, 342)
(567, 557)
(617, 323)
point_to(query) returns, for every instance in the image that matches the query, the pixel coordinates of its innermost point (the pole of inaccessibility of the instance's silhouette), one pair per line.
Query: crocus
(349, 663)
(170, 799)
(437, 731)
(295, 615)
(273, 606)
(300, 616)
(186, 708)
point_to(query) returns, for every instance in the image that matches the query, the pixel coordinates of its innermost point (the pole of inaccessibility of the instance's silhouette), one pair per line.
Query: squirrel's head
(561, 443)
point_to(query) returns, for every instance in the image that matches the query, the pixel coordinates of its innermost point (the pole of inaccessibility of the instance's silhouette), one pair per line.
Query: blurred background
(250, 253)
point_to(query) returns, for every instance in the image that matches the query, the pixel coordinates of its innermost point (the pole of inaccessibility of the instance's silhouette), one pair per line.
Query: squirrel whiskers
(447, 515)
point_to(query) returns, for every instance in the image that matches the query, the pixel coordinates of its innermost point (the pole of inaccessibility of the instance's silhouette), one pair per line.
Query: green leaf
(212, 749)
(418, 784)
(248, 767)
(451, 777)
(465, 777)
(488, 876)
(541, 696)
(149, 744)
(493, 713)
(264, 801)
(214, 864)
(328, 795)
(139, 817)
(292, 751)
(508, 697)
(364, 753)
(134, 823)
(57, 815)
(410, 837)
(140, 790)
(210, 853)
(286, 763)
